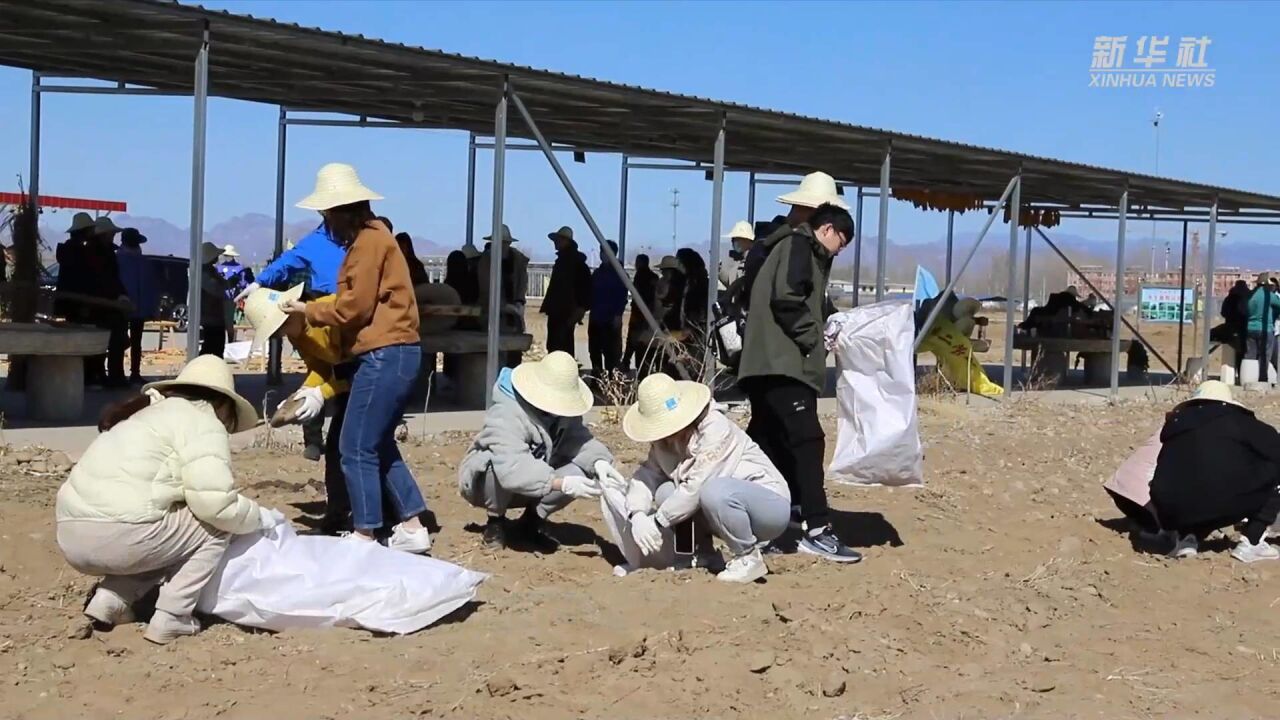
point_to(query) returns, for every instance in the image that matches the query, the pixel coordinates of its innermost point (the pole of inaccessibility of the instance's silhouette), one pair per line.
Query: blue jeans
(371, 459)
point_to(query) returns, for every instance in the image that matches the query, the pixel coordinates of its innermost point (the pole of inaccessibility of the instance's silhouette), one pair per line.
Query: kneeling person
(534, 452)
(699, 460)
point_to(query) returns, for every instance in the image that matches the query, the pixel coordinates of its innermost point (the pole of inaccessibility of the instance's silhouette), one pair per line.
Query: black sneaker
(313, 453)
(495, 533)
(529, 533)
(825, 544)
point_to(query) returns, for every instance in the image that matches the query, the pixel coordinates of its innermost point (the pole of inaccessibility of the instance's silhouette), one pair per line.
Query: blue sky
(1008, 75)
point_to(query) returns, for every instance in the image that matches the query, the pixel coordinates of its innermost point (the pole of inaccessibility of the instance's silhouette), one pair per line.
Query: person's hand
(293, 307)
(644, 530)
(247, 291)
(577, 486)
(609, 475)
(312, 403)
(269, 518)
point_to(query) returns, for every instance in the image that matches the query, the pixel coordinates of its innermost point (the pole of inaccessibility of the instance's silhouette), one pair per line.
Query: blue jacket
(608, 294)
(314, 260)
(138, 278)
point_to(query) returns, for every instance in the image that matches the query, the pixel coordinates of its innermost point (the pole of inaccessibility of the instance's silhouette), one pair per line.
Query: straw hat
(552, 385)
(506, 236)
(211, 372)
(665, 407)
(230, 251)
(209, 253)
(815, 189)
(1264, 278)
(669, 262)
(80, 221)
(742, 230)
(565, 233)
(470, 251)
(262, 310)
(1214, 390)
(104, 226)
(337, 184)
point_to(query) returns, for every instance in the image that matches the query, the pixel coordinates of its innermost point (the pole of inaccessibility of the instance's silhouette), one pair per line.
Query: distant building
(1105, 279)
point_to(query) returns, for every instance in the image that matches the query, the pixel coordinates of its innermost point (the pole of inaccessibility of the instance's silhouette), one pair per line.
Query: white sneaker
(744, 568)
(410, 541)
(1186, 547)
(165, 627)
(1247, 552)
(108, 609)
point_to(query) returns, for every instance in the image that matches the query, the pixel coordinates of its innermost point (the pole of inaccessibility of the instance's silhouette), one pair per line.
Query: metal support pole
(751, 198)
(497, 244)
(857, 249)
(717, 192)
(1026, 287)
(951, 235)
(882, 242)
(1208, 286)
(471, 190)
(622, 212)
(1182, 291)
(951, 286)
(1015, 206)
(605, 251)
(33, 175)
(1117, 305)
(197, 196)
(275, 350)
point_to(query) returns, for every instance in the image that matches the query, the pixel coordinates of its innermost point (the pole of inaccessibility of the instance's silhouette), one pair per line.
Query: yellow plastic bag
(955, 359)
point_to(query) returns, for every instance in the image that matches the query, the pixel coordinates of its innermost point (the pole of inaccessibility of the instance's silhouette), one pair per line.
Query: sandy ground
(1002, 589)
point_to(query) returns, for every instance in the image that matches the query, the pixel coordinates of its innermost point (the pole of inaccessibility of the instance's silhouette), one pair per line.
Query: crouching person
(152, 502)
(699, 461)
(534, 452)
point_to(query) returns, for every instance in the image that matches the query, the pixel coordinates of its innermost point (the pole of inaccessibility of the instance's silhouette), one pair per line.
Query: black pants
(117, 342)
(560, 334)
(1142, 516)
(313, 432)
(1256, 519)
(136, 328)
(604, 343)
(213, 340)
(784, 423)
(338, 502)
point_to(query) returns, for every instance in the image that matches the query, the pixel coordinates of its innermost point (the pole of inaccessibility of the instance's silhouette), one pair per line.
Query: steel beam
(751, 199)
(882, 242)
(622, 211)
(1026, 287)
(471, 189)
(33, 175)
(1208, 285)
(951, 234)
(857, 249)
(713, 270)
(605, 251)
(275, 350)
(1015, 206)
(194, 274)
(496, 245)
(1182, 290)
(1117, 307)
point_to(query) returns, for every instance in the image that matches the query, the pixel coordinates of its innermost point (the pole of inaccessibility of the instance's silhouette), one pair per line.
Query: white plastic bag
(280, 580)
(878, 440)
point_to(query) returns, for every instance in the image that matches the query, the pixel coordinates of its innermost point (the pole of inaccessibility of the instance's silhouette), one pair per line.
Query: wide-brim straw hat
(230, 251)
(211, 372)
(1264, 278)
(1212, 390)
(742, 230)
(565, 232)
(552, 385)
(262, 310)
(506, 235)
(80, 221)
(664, 408)
(670, 262)
(815, 189)
(209, 253)
(337, 184)
(470, 252)
(105, 226)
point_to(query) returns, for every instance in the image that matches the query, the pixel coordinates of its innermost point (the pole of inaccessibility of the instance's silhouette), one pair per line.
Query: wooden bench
(1050, 356)
(55, 365)
(470, 348)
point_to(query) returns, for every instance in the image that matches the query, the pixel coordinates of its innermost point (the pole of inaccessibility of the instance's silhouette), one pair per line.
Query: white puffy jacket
(172, 452)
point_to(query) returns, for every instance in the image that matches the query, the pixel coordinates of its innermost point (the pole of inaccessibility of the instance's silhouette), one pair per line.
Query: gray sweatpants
(132, 558)
(487, 493)
(741, 513)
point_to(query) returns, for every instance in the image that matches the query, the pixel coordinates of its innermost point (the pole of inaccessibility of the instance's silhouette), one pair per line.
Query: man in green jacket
(1264, 310)
(784, 363)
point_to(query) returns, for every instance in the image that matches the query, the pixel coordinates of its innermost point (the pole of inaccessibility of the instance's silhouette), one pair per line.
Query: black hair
(838, 218)
(642, 260)
(346, 221)
(117, 413)
(613, 246)
(385, 221)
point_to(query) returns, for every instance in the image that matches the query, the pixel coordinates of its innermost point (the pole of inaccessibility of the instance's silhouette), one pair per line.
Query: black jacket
(1217, 463)
(569, 288)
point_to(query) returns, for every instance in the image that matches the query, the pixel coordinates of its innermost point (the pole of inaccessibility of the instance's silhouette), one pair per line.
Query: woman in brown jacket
(378, 316)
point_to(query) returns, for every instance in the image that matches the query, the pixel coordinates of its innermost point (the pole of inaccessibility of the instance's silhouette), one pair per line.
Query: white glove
(606, 474)
(644, 530)
(270, 517)
(312, 403)
(248, 290)
(577, 486)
